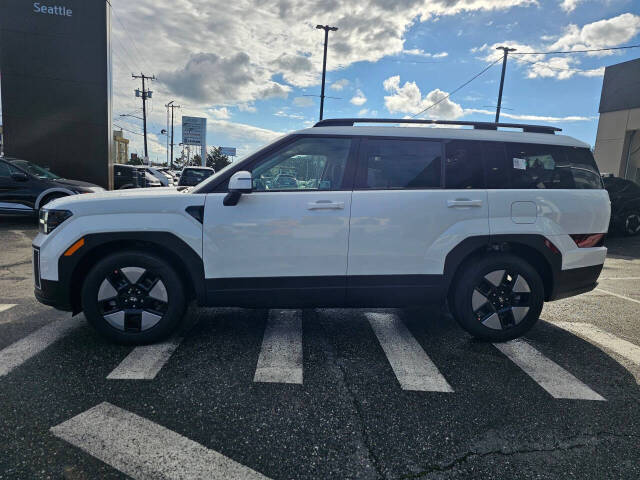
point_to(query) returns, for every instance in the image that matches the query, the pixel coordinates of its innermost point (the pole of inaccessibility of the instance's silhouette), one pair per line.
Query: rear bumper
(568, 283)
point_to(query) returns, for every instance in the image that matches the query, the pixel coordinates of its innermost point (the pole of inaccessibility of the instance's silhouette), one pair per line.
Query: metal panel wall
(621, 87)
(56, 85)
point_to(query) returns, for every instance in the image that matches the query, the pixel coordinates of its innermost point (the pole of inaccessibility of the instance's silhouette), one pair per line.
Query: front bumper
(568, 283)
(52, 293)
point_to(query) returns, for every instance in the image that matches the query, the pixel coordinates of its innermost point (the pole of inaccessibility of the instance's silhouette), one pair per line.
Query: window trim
(359, 181)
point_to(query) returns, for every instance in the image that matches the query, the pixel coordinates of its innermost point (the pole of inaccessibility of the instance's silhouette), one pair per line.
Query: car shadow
(624, 248)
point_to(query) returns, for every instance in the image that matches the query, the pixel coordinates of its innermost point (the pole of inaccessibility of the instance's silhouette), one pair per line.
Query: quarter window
(306, 164)
(400, 164)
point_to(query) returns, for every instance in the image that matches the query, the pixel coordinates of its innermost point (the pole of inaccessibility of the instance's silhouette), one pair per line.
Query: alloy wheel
(132, 299)
(501, 299)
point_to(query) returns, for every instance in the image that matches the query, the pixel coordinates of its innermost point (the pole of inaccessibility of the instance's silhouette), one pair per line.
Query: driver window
(306, 164)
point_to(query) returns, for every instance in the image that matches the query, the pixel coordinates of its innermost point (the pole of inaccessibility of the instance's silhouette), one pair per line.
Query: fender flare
(50, 191)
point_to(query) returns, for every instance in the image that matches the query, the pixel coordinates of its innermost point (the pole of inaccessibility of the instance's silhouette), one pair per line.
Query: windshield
(35, 170)
(202, 186)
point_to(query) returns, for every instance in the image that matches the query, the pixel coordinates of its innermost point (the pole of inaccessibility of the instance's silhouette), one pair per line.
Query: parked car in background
(625, 205)
(165, 179)
(192, 176)
(132, 176)
(25, 186)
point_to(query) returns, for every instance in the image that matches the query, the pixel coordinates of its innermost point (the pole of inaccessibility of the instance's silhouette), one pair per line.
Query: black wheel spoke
(484, 312)
(520, 299)
(507, 319)
(508, 281)
(118, 280)
(485, 287)
(108, 306)
(147, 281)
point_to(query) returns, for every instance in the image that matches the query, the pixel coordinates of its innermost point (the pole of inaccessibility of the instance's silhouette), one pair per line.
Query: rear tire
(133, 298)
(631, 223)
(498, 297)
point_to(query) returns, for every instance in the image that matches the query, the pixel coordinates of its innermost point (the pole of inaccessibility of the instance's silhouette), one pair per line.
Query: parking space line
(603, 338)
(618, 295)
(19, 352)
(546, 373)
(143, 449)
(144, 363)
(6, 306)
(618, 278)
(412, 366)
(280, 359)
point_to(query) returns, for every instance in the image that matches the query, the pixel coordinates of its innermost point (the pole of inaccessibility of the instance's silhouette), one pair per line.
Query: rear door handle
(464, 202)
(325, 205)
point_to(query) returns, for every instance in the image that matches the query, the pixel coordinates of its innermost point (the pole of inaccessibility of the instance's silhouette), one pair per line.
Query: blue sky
(254, 84)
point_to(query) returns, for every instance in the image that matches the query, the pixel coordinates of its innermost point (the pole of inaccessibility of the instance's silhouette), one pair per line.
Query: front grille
(36, 268)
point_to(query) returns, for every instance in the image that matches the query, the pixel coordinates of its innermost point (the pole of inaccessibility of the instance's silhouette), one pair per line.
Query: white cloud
(569, 5)
(531, 118)
(422, 53)
(303, 101)
(359, 98)
(221, 113)
(282, 113)
(363, 112)
(246, 107)
(408, 99)
(339, 85)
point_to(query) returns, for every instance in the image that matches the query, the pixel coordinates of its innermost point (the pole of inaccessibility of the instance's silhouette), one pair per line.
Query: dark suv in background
(131, 176)
(25, 187)
(625, 205)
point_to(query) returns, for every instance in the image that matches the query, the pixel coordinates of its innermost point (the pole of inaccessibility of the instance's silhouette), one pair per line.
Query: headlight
(50, 219)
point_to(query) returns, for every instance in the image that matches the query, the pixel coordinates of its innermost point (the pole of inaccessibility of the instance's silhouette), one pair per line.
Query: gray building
(617, 148)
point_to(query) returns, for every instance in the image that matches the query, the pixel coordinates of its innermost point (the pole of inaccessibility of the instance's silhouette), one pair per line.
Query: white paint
(280, 359)
(144, 363)
(411, 365)
(6, 306)
(602, 279)
(143, 449)
(603, 338)
(546, 373)
(624, 297)
(17, 353)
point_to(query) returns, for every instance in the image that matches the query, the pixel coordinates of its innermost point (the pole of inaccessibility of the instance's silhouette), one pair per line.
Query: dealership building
(617, 149)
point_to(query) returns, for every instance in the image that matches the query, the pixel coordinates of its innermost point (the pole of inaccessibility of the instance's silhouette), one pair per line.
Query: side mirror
(20, 176)
(239, 183)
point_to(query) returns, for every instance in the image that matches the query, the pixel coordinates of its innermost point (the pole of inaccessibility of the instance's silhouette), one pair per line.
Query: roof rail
(349, 122)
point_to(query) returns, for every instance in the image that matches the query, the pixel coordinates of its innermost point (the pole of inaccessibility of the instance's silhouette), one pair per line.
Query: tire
(491, 300)
(146, 286)
(630, 224)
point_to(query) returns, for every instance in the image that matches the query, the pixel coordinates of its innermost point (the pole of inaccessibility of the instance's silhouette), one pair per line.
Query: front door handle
(464, 202)
(325, 205)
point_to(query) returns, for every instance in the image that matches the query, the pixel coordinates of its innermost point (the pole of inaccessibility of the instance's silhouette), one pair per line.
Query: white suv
(493, 222)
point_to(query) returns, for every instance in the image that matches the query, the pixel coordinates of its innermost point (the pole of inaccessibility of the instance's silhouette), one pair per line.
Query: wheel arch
(165, 245)
(49, 191)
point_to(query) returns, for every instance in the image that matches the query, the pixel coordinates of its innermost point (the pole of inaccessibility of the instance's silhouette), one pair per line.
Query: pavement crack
(11, 265)
(573, 443)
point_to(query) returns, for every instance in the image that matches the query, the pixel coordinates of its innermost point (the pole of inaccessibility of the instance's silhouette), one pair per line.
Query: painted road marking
(143, 449)
(546, 373)
(619, 278)
(603, 338)
(411, 365)
(280, 359)
(17, 353)
(144, 363)
(6, 306)
(618, 295)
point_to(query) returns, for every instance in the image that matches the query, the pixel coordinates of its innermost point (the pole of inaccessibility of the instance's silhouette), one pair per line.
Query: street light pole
(326, 29)
(506, 51)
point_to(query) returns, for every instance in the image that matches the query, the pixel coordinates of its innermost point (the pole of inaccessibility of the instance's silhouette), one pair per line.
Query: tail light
(551, 246)
(588, 240)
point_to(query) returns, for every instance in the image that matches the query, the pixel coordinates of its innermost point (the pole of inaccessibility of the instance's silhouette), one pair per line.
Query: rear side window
(537, 166)
(399, 164)
(463, 164)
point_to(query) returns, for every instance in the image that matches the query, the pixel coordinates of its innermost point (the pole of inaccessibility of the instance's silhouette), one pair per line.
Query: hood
(65, 182)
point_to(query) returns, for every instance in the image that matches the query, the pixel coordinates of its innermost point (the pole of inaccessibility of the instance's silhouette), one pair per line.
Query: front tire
(498, 297)
(133, 298)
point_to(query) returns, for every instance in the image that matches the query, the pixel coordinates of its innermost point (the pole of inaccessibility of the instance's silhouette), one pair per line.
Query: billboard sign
(228, 151)
(194, 132)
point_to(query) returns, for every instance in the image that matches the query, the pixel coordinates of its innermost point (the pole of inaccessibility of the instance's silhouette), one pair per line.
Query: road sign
(228, 151)
(194, 132)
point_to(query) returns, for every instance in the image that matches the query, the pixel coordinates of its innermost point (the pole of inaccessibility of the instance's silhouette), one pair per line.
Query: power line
(126, 32)
(578, 51)
(460, 87)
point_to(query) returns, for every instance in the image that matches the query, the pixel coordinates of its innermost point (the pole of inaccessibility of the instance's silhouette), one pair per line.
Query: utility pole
(326, 29)
(171, 106)
(144, 94)
(506, 51)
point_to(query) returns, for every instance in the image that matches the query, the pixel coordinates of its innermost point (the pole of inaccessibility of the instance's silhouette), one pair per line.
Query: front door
(16, 196)
(284, 244)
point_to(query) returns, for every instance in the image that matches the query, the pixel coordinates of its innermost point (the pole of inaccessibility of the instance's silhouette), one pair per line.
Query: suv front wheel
(498, 297)
(133, 298)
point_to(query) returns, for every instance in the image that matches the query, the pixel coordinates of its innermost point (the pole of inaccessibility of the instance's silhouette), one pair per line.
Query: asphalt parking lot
(322, 393)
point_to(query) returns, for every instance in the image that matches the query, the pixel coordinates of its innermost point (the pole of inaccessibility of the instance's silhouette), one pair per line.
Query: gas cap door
(524, 212)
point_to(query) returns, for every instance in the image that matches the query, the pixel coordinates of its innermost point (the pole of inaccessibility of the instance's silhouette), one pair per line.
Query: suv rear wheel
(133, 298)
(498, 297)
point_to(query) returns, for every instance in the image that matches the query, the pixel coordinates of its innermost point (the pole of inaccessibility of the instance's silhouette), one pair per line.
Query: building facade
(617, 149)
(120, 149)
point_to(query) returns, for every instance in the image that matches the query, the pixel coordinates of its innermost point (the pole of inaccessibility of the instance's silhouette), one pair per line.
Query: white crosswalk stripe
(143, 449)
(280, 359)
(411, 365)
(6, 306)
(603, 338)
(17, 353)
(546, 373)
(144, 362)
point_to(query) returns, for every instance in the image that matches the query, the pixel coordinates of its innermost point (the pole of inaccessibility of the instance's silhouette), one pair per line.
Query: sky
(253, 67)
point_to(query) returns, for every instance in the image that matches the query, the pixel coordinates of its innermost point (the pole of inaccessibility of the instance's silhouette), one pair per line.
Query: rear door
(16, 196)
(404, 221)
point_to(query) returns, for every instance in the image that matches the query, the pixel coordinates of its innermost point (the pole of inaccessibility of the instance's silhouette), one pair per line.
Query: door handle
(325, 205)
(464, 202)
